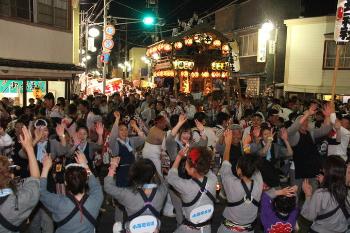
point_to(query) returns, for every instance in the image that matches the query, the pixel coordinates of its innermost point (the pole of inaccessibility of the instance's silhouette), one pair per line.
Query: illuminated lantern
(205, 74)
(217, 43)
(148, 52)
(208, 39)
(188, 41)
(225, 49)
(178, 45)
(197, 38)
(213, 65)
(167, 47)
(190, 65)
(224, 75)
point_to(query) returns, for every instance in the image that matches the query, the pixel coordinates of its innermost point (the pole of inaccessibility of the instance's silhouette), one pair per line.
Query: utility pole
(126, 52)
(104, 71)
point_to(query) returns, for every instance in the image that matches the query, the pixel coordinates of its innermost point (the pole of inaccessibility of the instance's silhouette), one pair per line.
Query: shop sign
(164, 65)
(261, 56)
(183, 65)
(342, 22)
(16, 86)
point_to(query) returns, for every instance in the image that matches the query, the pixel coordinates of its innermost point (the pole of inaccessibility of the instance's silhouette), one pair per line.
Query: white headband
(75, 165)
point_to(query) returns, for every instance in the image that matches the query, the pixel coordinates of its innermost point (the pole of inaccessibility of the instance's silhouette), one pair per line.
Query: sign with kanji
(16, 86)
(342, 22)
(105, 57)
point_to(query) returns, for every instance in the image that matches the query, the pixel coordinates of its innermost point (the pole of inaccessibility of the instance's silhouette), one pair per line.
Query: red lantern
(217, 43)
(178, 45)
(167, 47)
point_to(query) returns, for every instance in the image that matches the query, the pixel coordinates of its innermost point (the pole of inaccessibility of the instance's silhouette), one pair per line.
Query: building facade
(261, 56)
(310, 57)
(39, 49)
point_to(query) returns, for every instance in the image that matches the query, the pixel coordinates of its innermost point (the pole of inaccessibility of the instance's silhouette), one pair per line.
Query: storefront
(22, 80)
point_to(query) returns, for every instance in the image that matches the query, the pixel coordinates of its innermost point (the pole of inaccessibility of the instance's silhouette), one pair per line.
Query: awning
(19, 69)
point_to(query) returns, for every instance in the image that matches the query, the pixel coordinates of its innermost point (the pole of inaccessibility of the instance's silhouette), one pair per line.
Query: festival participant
(271, 154)
(179, 138)
(248, 134)
(153, 145)
(302, 139)
(328, 207)
(18, 200)
(76, 211)
(124, 147)
(145, 197)
(243, 191)
(82, 144)
(279, 212)
(198, 193)
(6, 142)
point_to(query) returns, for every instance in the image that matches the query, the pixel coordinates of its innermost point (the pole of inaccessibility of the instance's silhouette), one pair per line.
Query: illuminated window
(248, 45)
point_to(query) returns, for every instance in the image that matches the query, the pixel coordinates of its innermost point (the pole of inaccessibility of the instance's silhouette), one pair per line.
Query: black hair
(200, 116)
(161, 103)
(85, 103)
(284, 205)
(81, 126)
(173, 120)
(72, 109)
(76, 178)
(334, 178)
(96, 110)
(258, 115)
(221, 117)
(248, 165)
(143, 172)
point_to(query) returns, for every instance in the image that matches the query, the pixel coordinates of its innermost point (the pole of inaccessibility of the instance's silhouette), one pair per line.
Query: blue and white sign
(110, 30)
(143, 224)
(201, 214)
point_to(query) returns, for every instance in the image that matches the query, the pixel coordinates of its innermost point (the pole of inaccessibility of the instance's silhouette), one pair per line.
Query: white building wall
(304, 57)
(34, 43)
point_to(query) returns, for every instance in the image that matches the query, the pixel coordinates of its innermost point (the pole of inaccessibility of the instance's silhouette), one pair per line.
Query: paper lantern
(178, 45)
(224, 75)
(207, 39)
(197, 38)
(195, 74)
(167, 47)
(205, 74)
(188, 41)
(217, 43)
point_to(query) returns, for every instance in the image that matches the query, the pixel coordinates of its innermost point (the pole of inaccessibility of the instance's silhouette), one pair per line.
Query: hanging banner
(235, 55)
(261, 53)
(342, 21)
(91, 44)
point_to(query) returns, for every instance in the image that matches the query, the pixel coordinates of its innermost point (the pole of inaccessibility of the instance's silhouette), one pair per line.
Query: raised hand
(26, 138)
(183, 152)
(307, 188)
(113, 166)
(288, 191)
(47, 162)
(38, 132)
(327, 109)
(133, 124)
(80, 158)
(182, 119)
(228, 137)
(313, 109)
(99, 128)
(199, 125)
(284, 134)
(60, 130)
(117, 115)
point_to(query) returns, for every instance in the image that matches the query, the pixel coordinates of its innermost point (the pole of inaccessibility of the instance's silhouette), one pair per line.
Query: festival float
(197, 59)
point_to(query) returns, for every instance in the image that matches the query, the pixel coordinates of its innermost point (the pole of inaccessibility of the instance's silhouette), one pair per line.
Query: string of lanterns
(196, 39)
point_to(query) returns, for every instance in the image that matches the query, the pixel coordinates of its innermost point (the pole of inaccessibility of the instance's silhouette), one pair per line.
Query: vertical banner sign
(91, 44)
(235, 55)
(342, 27)
(261, 53)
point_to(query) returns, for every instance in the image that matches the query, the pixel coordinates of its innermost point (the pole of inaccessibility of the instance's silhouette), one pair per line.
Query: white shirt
(340, 149)
(5, 140)
(210, 133)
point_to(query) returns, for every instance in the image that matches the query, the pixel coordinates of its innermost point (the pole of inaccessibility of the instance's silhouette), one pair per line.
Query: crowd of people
(276, 165)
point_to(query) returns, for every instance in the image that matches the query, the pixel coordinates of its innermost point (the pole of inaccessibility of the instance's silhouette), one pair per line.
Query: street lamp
(94, 32)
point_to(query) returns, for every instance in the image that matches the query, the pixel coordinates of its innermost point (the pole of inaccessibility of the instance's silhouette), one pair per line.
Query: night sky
(172, 10)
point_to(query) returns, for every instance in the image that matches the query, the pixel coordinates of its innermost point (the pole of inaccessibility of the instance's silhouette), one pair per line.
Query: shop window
(330, 52)
(16, 8)
(249, 45)
(53, 12)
